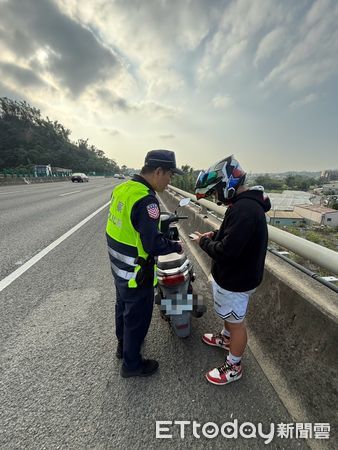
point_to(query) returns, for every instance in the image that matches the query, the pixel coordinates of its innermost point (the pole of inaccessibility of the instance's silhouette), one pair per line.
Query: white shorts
(230, 306)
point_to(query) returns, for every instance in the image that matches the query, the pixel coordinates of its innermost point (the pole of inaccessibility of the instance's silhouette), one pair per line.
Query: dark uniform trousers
(133, 311)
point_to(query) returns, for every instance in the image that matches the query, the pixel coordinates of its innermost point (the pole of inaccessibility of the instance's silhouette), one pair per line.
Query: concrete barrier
(293, 321)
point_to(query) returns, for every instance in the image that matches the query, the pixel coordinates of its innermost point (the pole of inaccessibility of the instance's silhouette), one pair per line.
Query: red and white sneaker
(225, 374)
(216, 340)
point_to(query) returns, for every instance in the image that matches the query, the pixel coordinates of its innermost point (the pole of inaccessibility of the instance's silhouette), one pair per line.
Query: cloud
(238, 28)
(159, 110)
(311, 58)
(77, 58)
(161, 78)
(286, 43)
(167, 136)
(269, 45)
(103, 103)
(154, 37)
(310, 98)
(221, 101)
(317, 11)
(23, 76)
(162, 26)
(111, 131)
(113, 102)
(232, 55)
(7, 91)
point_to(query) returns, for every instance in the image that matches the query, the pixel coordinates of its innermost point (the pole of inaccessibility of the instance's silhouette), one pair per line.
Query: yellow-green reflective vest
(120, 229)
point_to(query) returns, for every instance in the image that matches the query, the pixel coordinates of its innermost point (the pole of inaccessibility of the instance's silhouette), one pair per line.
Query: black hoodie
(238, 248)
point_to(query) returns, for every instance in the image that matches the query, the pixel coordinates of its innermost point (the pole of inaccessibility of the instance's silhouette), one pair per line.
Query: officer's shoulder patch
(153, 211)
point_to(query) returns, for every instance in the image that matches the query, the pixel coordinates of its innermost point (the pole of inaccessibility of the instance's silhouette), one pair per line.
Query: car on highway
(119, 175)
(79, 177)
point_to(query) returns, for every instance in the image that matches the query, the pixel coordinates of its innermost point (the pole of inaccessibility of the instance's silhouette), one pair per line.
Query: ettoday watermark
(247, 430)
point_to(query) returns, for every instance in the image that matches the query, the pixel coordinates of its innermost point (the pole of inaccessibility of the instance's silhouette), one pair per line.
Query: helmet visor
(206, 178)
(205, 183)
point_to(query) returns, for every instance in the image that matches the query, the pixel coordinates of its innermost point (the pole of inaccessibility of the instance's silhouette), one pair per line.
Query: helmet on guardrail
(224, 178)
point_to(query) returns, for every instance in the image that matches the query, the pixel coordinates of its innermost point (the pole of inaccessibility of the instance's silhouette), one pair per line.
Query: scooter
(175, 273)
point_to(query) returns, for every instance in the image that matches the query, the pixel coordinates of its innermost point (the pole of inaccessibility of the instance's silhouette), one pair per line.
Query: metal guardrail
(319, 255)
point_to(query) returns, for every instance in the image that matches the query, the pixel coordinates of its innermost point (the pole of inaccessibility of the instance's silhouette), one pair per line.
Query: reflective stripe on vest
(121, 230)
(124, 258)
(123, 273)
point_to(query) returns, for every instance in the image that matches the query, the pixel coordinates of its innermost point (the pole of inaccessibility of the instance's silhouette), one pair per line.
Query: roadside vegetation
(292, 182)
(187, 180)
(271, 184)
(321, 235)
(27, 138)
(325, 236)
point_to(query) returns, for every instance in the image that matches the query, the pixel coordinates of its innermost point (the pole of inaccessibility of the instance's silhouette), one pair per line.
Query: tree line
(27, 139)
(187, 181)
(292, 182)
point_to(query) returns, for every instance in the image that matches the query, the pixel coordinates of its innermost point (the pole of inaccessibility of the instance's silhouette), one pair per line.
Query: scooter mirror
(185, 201)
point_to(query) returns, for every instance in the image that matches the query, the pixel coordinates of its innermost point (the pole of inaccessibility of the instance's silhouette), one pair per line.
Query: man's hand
(209, 234)
(197, 236)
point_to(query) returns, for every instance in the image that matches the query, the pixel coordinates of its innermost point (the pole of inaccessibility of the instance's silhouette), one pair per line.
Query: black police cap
(162, 158)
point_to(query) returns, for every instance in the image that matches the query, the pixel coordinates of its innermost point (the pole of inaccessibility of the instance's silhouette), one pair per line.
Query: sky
(205, 78)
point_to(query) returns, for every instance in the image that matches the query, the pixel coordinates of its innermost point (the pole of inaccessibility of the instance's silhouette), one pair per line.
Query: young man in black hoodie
(238, 252)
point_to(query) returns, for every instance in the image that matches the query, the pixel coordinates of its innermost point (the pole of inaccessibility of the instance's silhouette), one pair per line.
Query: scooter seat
(171, 261)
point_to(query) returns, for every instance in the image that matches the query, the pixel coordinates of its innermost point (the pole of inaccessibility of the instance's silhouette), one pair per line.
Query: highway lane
(60, 385)
(33, 216)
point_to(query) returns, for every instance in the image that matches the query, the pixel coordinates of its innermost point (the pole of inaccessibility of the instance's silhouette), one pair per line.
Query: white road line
(68, 193)
(21, 270)
(24, 191)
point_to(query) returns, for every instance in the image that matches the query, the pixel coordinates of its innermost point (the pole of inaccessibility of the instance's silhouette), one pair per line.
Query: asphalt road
(59, 379)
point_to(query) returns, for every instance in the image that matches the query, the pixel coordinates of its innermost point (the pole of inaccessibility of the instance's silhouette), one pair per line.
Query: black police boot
(119, 350)
(148, 367)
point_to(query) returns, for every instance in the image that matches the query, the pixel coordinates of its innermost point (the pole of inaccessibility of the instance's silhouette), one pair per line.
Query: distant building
(288, 199)
(318, 214)
(330, 175)
(42, 170)
(331, 188)
(60, 172)
(285, 218)
(45, 170)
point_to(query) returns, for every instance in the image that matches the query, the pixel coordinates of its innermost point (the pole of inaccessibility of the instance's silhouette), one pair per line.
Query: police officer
(134, 240)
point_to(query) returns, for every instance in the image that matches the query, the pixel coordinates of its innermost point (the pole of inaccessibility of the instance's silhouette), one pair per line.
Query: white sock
(232, 359)
(225, 333)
